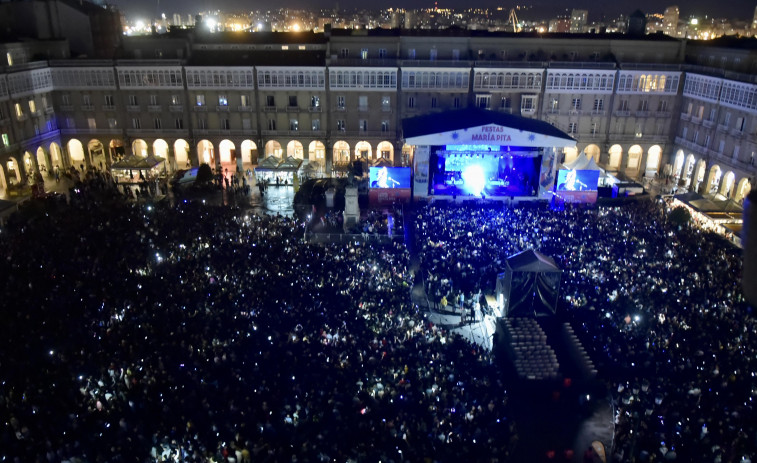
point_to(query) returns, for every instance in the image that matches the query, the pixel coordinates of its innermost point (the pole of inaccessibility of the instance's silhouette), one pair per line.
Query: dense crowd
(660, 306)
(141, 332)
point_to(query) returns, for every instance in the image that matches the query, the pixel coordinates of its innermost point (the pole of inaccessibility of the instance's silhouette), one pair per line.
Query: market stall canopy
(708, 204)
(290, 164)
(269, 163)
(137, 162)
(482, 127)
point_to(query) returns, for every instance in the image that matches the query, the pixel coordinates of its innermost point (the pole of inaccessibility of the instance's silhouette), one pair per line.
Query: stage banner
(420, 171)
(576, 196)
(388, 196)
(547, 173)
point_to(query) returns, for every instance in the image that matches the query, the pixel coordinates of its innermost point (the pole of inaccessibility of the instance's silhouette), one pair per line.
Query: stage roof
(482, 127)
(532, 261)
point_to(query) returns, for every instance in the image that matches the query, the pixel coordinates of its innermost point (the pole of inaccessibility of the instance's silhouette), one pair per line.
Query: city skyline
(540, 9)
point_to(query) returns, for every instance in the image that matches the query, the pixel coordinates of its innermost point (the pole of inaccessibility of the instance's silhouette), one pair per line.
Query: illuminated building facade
(637, 105)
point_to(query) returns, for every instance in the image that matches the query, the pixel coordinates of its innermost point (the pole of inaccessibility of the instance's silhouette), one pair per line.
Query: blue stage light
(474, 178)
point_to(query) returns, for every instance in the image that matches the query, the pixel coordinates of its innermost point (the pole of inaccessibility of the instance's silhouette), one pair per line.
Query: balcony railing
(222, 108)
(244, 109)
(176, 108)
(293, 109)
(133, 108)
(622, 113)
(269, 109)
(109, 107)
(685, 116)
(66, 107)
(722, 128)
(154, 108)
(87, 107)
(314, 109)
(708, 123)
(200, 109)
(642, 113)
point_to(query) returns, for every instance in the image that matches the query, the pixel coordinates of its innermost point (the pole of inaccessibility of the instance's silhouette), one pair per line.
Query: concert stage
(483, 154)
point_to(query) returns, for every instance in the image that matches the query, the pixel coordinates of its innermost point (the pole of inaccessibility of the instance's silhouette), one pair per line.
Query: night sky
(736, 9)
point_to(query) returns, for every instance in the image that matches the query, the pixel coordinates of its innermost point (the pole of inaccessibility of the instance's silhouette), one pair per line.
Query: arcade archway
(295, 150)
(341, 152)
(181, 154)
(616, 156)
(76, 153)
(97, 154)
(742, 190)
(227, 151)
(273, 148)
(249, 152)
(592, 152)
(634, 159)
(571, 153)
(363, 151)
(316, 151)
(139, 148)
(727, 184)
(385, 150)
(43, 162)
(206, 153)
(678, 164)
(654, 155)
(56, 156)
(713, 179)
(117, 150)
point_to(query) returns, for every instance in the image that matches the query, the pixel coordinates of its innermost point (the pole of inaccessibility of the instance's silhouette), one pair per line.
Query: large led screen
(577, 180)
(389, 177)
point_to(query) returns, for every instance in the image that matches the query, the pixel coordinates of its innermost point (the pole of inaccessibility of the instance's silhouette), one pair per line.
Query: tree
(204, 174)
(680, 216)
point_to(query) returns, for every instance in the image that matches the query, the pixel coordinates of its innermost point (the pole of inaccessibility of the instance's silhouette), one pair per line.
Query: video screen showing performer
(577, 180)
(389, 177)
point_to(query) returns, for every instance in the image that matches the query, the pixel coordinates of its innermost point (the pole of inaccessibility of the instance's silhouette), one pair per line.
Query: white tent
(582, 162)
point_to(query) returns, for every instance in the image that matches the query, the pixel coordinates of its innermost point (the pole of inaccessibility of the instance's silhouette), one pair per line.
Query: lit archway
(341, 152)
(316, 151)
(76, 152)
(408, 152)
(206, 153)
(688, 169)
(678, 164)
(727, 184)
(295, 150)
(742, 190)
(634, 158)
(28, 164)
(654, 155)
(43, 162)
(117, 150)
(227, 151)
(97, 154)
(56, 156)
(139, 147)
(698, 176)
(160, 148)
(592, 152)
(616, 156)
(181, 153)
(363, 151)
(571, 153)
(273, 148)
(713, 179)
(14, 171)
(385, 150)
(3, 182)
(249, 152)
